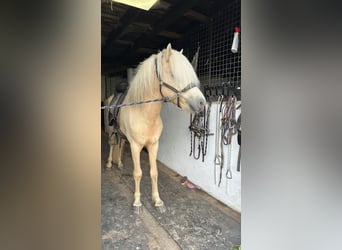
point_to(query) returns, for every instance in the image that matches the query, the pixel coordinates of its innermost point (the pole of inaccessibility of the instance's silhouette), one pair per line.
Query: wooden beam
(170, 34)
(161, 5)
(106, 28)
(144, 26)
(108, 69)
(174, 14)
(110, 17)
(125, 20)
(196, 16)
(124, 42)
(117, 7)
(169, 18)
(146, 50)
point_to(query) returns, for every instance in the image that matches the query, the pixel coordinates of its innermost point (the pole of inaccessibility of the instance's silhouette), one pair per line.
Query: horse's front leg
(137, 173)
(152, 153)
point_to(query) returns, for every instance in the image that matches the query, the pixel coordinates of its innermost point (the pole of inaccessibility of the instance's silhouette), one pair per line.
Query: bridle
(176, 91)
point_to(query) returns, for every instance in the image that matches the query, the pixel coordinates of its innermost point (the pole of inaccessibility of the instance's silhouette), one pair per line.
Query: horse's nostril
(202, 103)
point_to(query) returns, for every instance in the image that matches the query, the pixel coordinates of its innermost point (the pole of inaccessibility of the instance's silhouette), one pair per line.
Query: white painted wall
(174, 149)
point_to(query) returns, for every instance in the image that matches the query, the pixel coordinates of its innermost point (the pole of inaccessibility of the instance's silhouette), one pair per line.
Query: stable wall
(108, 85)
(174, 149)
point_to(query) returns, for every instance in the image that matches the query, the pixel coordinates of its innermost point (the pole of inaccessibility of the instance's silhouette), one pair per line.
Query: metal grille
(217, 65)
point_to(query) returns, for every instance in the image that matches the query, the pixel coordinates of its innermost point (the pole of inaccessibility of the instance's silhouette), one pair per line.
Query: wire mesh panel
(217, 65)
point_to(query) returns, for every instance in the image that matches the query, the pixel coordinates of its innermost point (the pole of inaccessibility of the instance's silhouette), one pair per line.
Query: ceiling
(129, 35)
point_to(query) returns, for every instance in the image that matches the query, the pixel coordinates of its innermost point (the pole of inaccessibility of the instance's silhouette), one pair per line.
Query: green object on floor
(236, 248)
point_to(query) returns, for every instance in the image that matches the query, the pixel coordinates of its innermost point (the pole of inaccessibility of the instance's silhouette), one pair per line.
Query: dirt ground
(192, 220)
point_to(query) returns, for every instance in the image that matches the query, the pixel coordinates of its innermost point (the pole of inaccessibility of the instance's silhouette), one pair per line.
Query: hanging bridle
(199, 129)
(176, 91)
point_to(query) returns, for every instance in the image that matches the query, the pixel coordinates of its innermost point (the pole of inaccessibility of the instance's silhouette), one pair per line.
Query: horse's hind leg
(137, 173)
(110, 156)
(117, 155)
(152, 153)
(111, 148)
(109, 159)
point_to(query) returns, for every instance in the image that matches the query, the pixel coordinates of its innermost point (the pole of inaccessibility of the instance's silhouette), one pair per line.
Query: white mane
(142, 82)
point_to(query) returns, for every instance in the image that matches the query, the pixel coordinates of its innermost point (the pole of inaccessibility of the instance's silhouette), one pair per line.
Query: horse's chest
(144, 131)
(152, 131)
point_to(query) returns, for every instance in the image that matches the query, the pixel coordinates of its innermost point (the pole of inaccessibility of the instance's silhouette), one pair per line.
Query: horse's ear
(168, 51)
(181, 51)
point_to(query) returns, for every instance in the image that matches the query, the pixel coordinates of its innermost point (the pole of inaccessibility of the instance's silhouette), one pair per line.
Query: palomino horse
(166, 74)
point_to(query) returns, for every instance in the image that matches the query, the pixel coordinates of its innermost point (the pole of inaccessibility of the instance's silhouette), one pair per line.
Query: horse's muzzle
(197, 104)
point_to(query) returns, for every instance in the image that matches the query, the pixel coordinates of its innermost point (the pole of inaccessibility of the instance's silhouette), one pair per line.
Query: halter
(176, 91)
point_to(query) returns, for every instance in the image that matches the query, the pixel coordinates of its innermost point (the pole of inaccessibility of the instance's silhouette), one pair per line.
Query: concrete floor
(193, 219)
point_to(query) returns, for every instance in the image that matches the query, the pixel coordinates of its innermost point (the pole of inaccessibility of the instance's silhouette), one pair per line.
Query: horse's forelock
(182, 70)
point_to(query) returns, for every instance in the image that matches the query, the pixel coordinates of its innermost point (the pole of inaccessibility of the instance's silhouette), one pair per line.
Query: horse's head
(178, 78)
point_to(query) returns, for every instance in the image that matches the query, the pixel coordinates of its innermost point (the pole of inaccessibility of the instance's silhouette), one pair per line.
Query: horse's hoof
(109, 165)
(160, 206)
(120, 166)
(161, 209)
(159, 203)
(138, 210)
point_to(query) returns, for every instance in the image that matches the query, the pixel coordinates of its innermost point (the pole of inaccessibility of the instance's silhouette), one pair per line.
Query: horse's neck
(152, 110)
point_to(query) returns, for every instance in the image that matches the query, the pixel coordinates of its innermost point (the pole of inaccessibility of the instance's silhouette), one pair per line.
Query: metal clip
(217, 159)
(229, 174)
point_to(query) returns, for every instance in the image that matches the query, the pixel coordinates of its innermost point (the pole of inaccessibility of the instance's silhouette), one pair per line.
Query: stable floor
(193, 219)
